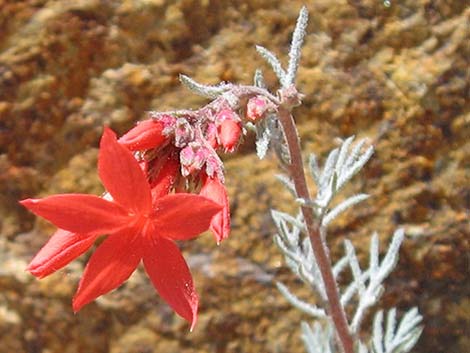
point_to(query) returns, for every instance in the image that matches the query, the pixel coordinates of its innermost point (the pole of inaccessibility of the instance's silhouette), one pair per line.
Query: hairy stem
(296, 170)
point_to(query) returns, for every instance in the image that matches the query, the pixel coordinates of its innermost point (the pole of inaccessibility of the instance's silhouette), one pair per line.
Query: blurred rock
(398, 75)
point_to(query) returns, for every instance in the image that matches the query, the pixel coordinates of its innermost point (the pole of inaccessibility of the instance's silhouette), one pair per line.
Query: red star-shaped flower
(138, 226)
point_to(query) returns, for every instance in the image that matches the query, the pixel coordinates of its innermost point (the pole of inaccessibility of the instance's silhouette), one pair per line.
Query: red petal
(62, 248)
(166, 177)
(220, 224)
(110, 265)
(79, 213)
(183, 216)
(170, 276)
(146, 135)
(121, 174)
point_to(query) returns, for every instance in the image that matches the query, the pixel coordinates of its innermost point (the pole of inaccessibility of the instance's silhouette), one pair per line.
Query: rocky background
(396, 72)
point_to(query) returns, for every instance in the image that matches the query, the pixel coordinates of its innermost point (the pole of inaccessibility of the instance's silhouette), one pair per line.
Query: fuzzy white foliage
(307, 308)
(297, 251)
(258, 79)
(399, 339)
(268, 131)
(390, 338)
(341, 165)
(204, 90)
(287, 77)
(343, 206)
(265, 129)
(296, 46)
(362, 348)
(287, 183)
(366, 285)
(274, 62)
(318, 338)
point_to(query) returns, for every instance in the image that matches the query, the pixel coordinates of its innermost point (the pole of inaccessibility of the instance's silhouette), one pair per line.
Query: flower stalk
(296, 171)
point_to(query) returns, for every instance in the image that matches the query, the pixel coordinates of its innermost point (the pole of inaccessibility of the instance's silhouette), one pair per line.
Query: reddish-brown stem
(296, 170)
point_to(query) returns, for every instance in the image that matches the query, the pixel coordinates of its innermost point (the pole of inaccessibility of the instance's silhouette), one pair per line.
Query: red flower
(229, 129)
(145, 135)
(166, 177)
(213, 189)
(138, 229)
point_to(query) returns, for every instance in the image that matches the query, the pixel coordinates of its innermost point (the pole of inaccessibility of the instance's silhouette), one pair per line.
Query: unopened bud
(229, 134)
(229, 129)
(211, 135)
(145, 135)
(183, 132)
(169, 123)
(192, 158)
(290, 97)
(256, 108)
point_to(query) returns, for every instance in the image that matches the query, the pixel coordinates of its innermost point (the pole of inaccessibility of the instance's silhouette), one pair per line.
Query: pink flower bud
(214, 166)
(229, 134)
(226, 114)
(229, 129)
(184, 133)
(211, 135)
(256, 108)
(145, 135)
(168, 121)
(192, 158)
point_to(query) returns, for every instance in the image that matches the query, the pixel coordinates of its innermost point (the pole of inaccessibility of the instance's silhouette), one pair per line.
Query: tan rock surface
(399, 75)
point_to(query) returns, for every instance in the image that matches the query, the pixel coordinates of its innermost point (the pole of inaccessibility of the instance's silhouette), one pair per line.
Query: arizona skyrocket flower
(213, 189)
(139, 227)
(178, 154)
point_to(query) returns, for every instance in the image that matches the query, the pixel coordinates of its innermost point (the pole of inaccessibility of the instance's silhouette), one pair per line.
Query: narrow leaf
(356, 167)
(204, 90)
(305, 307)
(390, 328)
(343, 152)
(377, 333)
(343, 206)
(287, 182)
(258, 79)
(374, 255)
(314, 169)
(296, 46)
(274, 62)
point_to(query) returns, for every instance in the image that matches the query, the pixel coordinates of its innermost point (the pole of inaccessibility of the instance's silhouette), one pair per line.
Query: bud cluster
(196, 136)
(178, 150)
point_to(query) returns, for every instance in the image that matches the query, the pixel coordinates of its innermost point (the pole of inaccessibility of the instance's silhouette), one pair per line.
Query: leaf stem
(296, 170)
